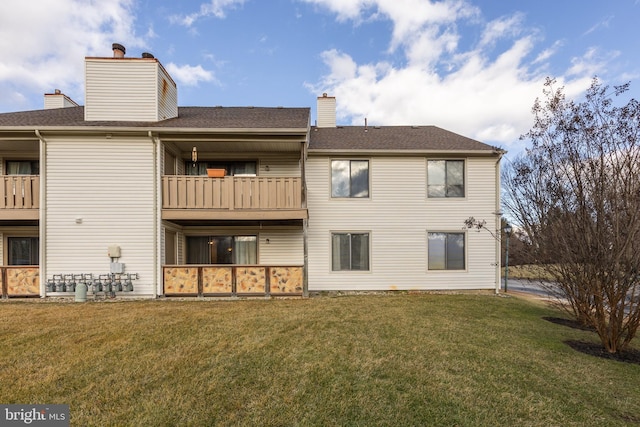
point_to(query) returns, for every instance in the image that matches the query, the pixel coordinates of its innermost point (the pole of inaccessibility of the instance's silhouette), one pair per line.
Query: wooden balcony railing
(20, 192)
(256, 193)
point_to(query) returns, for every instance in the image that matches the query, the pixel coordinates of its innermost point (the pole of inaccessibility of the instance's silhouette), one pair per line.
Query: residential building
(230, 201)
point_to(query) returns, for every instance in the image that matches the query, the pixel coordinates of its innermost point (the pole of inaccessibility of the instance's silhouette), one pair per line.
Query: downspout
(498, 221)
(156, 216)
(42, 214)
(305, 222)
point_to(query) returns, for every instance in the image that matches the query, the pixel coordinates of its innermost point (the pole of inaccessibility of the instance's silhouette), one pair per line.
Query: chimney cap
(118, 46)
(147, 55)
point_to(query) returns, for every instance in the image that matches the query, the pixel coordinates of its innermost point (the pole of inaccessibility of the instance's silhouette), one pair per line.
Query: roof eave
(153, 129)
(447, 152)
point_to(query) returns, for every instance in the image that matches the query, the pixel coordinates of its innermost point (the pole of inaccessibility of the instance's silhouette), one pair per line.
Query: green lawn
(527, 272)
(399, 359)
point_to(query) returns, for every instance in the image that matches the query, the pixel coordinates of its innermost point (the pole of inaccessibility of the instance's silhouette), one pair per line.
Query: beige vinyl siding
(326, 111)
(398, 216)
(107, 184)
(167, 95)
(163, 252)
(57, 101)
(180, 251)
(280, 167)
(51, 102)
(122, 90)
(181, 164)
(285, 247)
(169, 227)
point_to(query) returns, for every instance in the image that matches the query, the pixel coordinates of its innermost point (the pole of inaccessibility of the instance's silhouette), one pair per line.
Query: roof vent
(147, 55)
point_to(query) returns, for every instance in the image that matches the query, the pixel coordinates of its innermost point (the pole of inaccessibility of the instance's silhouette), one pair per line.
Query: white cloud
(590, 63)
(217, 8)
(189, 75)
(602, 24)
(507, 26)
(484, 91)
(344, 9)
(43, 47)
(548, 53)
(409, 17)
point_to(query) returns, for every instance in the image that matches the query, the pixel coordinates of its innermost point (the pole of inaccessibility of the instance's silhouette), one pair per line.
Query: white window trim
(330, 252)
(466, 251)
(361, 199)
(465, 160)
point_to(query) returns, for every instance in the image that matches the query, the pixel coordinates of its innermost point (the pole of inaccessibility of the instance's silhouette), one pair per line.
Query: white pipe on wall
(42, 218)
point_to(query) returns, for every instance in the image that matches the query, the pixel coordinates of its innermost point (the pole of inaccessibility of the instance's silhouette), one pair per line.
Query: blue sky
(473, 67)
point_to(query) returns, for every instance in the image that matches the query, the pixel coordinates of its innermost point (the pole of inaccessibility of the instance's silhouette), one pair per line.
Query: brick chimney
(326, 111)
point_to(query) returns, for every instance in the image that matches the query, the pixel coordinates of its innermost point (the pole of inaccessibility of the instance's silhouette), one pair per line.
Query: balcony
(19, 281)
(229, 280)
(19, 197)
(186, 197)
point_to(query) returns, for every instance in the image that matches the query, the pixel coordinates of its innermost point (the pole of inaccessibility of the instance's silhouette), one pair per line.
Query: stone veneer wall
(219, 280)
(181, 280)
(23, 281)
(285, 280)
(251, 280)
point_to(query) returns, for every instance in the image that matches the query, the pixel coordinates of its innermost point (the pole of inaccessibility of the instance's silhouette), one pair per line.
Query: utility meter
(114, 251)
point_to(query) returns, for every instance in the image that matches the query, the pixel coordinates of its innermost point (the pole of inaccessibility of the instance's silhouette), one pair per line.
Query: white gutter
(498, 223)
(42, 218)
(158, 130)
(402, 152)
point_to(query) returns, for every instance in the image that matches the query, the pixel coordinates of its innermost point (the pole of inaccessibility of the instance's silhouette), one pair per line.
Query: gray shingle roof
(341, 138)
(394, 138)
(188, 117)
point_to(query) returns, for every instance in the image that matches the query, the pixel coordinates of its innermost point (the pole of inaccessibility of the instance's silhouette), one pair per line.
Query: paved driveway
(527, 286)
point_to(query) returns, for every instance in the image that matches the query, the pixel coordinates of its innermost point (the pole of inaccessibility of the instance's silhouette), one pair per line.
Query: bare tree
(576, 195)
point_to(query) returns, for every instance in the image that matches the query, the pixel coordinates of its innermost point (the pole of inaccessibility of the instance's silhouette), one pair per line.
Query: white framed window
(445, 178)
(350, 251)
(446, 251)
(350, 178)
